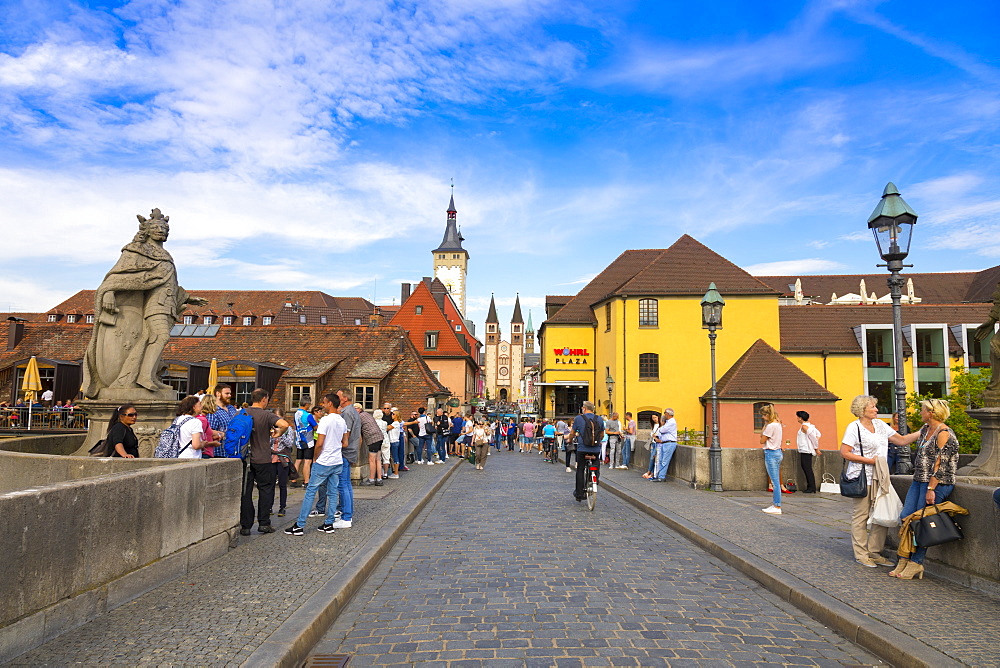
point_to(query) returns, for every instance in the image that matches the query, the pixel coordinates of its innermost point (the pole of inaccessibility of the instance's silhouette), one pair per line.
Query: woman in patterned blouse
(933, 474)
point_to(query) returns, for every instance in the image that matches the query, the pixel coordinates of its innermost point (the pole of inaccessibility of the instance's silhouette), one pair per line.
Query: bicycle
(593, 467)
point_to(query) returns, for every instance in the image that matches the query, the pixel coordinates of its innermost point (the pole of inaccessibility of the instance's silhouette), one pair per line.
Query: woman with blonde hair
(933, 475)
(865, 441)
(770, 440)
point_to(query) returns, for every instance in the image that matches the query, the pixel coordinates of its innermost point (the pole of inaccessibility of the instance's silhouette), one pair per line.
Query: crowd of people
(44, 412)
(317, 447)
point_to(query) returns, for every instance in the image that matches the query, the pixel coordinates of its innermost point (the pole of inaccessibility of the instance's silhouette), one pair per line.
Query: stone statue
(136, 305)
(991, 397)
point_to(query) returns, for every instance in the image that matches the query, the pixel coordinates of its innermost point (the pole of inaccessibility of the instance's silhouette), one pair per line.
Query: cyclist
(549, 441)
(588, 446)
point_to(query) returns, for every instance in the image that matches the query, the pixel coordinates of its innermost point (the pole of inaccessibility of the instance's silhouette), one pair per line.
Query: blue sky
(311, 145)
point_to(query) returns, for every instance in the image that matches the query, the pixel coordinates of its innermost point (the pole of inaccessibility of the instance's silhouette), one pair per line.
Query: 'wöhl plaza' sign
(571, 355)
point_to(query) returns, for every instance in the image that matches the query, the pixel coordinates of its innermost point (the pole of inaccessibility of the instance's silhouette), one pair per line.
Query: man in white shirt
(666, 443)
(327, 466)
(807, 442)
(47, 398)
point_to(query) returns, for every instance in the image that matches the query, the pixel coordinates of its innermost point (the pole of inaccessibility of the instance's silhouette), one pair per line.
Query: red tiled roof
(339, 311)
(431, 319)
(687, 268)
(623, 268)
(816, 328)
(762, 373)
(301, 348)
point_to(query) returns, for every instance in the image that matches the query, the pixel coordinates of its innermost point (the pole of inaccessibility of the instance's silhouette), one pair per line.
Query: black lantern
(892, 223)
(711, 309)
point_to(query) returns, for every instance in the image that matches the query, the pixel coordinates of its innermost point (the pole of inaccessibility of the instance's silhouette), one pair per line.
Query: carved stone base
(154, 417)
(988, 461)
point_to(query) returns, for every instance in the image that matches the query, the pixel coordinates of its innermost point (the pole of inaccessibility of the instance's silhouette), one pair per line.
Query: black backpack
(593, 431)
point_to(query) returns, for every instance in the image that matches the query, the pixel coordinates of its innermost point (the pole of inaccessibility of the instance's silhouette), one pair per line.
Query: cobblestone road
(505, 568)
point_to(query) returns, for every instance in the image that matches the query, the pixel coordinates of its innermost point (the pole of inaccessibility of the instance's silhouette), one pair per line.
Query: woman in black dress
(121, 440)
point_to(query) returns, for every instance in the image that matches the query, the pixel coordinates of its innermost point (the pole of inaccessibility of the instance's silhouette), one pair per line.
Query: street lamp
(711, 319)
(609, 382)
(892, 223)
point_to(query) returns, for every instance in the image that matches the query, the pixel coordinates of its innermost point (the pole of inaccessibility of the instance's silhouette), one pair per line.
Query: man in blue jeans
(666, 444)
(345, 505)
(327, 468)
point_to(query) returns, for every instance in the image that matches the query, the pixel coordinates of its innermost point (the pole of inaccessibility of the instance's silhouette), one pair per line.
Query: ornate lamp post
(609, 382)
(892, 223)
(711, 319)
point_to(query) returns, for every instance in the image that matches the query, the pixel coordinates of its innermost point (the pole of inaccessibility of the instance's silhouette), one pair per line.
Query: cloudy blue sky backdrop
(304, 144)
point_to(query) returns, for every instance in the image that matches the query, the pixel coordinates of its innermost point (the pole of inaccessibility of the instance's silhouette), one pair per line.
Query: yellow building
(639, 323)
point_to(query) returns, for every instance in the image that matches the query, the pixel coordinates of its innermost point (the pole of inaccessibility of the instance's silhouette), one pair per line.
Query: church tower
(529, 337)
(493, 351)
(516, 349)
(451, 261)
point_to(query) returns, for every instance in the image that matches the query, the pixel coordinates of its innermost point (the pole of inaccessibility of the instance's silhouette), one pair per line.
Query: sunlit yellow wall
(566, 336)
(683, 347)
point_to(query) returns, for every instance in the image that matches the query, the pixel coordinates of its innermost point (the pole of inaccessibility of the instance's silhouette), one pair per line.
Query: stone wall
(85, 535)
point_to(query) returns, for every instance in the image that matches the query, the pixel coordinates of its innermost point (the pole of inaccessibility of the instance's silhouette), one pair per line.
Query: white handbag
(886, 510)
(829, 485)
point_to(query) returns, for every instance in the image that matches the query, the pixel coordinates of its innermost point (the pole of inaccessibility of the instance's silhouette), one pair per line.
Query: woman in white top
(807, 442)
(650, 445)
(481, 442)
(865, 440)
(191, 432)
(770, 439)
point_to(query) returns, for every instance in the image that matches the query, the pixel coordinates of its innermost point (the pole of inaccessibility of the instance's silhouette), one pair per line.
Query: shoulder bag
(857, 487)
(931, 530)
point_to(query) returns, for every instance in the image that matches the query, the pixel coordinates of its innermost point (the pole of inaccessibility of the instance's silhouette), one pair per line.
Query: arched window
(504, 360)
(648, 313)
(649, 366)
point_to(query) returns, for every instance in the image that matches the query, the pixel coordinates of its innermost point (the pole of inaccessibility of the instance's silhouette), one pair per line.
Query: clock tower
(451, 261)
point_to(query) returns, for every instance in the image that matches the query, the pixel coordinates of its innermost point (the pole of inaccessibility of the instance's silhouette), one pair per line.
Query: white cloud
(811, 265)
(266, 87)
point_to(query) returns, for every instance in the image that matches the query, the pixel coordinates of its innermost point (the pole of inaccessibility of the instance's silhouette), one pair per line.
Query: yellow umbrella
(32, 383)
(213, 376)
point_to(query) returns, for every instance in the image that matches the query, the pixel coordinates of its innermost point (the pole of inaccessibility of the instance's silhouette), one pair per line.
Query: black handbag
(931, 530)
(855, 488)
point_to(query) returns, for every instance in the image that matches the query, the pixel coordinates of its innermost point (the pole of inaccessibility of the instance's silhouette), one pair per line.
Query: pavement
(505, 559)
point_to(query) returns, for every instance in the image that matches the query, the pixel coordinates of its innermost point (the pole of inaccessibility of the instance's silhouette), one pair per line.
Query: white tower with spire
(451, 261)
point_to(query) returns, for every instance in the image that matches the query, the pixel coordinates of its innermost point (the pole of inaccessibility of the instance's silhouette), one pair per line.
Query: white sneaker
(773, 510)
(568, 470)
(392, 476)
(419, 461)
(430, 463)
(342, 524)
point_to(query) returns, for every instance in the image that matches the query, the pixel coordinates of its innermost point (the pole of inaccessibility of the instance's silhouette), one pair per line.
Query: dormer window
(53, 317)
(189, 320)
(207, 320)
(247, 320)
(89, 319)
(71, 318)
(227, 320)
(266, 320)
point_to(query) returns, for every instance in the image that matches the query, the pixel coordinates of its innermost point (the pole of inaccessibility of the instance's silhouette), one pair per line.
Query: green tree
(967, 389)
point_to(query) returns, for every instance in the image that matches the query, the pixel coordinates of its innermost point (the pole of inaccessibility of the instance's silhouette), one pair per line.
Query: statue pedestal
(154, 416)
(988, 461)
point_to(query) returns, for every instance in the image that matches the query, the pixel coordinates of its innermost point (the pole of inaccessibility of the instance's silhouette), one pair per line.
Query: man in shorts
(305, 426)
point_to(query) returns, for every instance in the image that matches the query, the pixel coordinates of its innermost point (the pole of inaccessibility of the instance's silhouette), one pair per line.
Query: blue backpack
(237, 441)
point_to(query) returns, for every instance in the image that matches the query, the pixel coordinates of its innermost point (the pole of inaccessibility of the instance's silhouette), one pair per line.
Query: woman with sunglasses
(121, 441)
